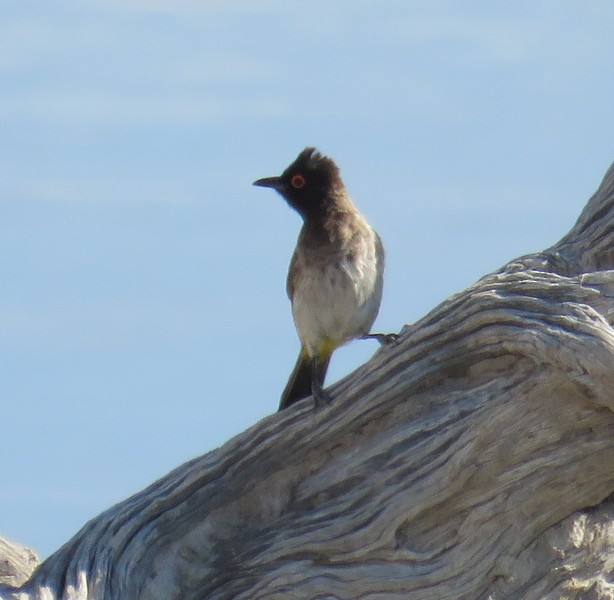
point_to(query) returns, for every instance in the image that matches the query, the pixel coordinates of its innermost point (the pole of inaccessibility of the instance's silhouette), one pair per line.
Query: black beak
(270, 182)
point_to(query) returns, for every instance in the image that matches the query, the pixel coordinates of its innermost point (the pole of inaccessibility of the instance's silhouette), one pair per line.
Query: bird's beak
(270, 182)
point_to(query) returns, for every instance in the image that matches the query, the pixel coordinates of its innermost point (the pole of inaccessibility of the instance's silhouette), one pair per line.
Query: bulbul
(336, 273)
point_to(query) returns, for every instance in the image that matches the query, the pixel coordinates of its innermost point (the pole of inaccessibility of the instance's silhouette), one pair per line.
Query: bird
(335, 278)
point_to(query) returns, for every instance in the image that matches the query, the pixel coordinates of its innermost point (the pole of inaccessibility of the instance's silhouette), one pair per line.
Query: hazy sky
(143, 313)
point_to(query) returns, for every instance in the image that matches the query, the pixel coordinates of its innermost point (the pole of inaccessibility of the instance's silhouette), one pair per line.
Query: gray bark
(473, 459)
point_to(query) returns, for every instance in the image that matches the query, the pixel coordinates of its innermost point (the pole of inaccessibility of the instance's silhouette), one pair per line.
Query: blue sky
(143, 315)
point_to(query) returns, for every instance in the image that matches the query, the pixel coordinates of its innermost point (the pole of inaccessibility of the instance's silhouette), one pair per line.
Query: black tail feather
(299, 384)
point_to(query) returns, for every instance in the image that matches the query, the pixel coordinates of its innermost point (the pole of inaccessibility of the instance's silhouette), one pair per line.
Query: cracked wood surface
(473, 459)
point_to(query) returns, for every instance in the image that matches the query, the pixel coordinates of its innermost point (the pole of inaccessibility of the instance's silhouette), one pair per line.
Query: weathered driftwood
(16, 562)
(474, 459)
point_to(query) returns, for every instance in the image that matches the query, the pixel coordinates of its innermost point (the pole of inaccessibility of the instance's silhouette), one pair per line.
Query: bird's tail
(299, 384)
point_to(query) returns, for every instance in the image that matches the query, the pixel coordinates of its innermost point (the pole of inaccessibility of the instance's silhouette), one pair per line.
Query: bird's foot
(321, 397)
(382, 338)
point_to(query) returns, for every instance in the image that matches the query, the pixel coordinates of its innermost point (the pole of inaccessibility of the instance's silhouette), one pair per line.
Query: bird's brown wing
(293, 274)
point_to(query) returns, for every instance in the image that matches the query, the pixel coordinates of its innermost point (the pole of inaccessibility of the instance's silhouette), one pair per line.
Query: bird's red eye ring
(297, 181)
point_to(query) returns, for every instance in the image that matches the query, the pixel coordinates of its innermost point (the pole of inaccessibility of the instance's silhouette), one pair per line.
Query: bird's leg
(318, 372)
(382, 338)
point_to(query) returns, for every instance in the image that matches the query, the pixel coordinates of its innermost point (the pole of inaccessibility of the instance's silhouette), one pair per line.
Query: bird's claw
(321, 398)
(388, 338)
(383, 338)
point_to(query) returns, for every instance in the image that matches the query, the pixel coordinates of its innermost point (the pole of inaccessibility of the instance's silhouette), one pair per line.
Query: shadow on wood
(474, 459)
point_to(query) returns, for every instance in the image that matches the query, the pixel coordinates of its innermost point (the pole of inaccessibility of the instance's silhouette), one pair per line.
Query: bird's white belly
(335, 304)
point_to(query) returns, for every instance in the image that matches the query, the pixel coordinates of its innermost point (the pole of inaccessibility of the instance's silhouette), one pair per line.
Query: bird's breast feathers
(336, 288)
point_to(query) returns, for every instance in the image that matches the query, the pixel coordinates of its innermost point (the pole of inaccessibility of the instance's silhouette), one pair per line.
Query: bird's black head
(309, 184)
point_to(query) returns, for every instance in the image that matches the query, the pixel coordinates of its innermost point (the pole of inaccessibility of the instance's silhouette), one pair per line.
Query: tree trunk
(473, 459)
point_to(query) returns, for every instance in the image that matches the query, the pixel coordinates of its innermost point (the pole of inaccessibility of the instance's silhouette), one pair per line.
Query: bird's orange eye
(297, 181)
